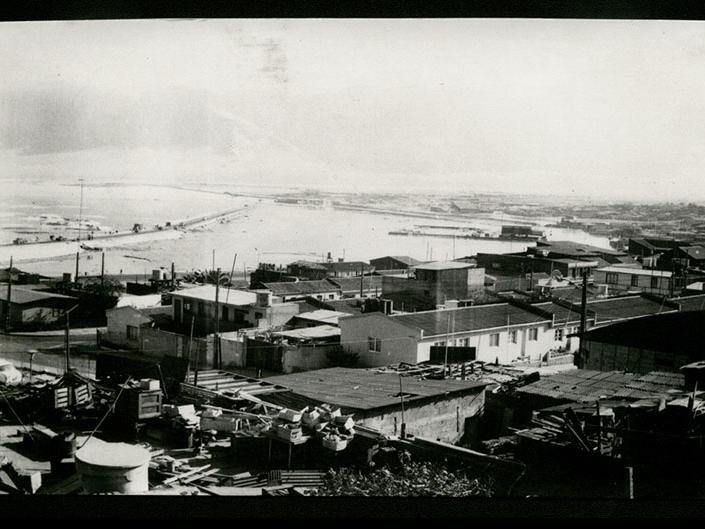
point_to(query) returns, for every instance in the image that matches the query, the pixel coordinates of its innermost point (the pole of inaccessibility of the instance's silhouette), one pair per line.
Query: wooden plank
(185, 474)
(200, 476)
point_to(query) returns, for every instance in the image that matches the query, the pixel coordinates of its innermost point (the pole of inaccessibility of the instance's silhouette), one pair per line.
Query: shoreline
(38, 251)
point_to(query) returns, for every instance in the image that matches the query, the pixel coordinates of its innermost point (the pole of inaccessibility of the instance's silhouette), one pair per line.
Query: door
(177, 310)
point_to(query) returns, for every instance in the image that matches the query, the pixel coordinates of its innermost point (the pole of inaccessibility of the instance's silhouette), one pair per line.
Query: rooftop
(293, 288)
(207, 293)
(323, 316)
(468, 319)
(310, 333)
(676, 332)
(695, 252)
(346, 266)
(584, 385)
(443, 265)
(574, 248)
(362, 389)
(636, 271)
(687, 303)
(617, 308)
(21, 296)
(563, 314)
(348, 284)
(409, 261)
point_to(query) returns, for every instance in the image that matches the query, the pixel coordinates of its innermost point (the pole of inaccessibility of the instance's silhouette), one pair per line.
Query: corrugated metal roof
(362, 389)
(294, 288)
(610, 309)
(20, 295)
(352, 284)
(310, 333)
(636, 271)
(443, 265)
(583, 385)
(323, 316)
(207, 293)
(467, 319)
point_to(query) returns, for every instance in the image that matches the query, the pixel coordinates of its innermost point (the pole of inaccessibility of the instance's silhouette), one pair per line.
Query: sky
(604, 108)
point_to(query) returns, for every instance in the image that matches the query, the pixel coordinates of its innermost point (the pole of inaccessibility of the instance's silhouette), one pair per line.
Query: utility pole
(362, 277)
(445, 360)
(80, 211)
(102, 270)
(213, 267)
(9, 297)
(173, 276)
(232, 271)
(583, 316)
(76, 278)
(216, 338)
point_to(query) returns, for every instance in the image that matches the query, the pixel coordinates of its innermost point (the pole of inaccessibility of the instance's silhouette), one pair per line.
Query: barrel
(113, 467)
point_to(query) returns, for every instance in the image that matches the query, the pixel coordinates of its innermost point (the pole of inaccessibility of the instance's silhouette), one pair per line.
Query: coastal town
(317, 266)
(512, 371)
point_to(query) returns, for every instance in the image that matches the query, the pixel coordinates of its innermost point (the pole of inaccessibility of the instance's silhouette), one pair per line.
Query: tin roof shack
(620, 279)
(433, 284)
(575, 250)
(126, 323)
(394, 263)
(520, 265)
(237, 309)
(437, 409)
(31, 309)
(355, 287)
(340, 268)
(300, 290)
(663, 342)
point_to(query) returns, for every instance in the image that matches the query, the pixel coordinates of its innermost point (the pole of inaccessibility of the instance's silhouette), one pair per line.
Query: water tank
(113, 467)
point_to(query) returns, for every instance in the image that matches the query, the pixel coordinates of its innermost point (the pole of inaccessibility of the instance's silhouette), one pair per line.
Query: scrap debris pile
(503, 378)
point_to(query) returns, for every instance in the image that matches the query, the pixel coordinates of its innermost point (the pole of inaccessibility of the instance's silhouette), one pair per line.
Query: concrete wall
(399, 343)
(476, 279)
(119, 320)
(443, 418)
(624, 282)
(232, 349)
(305, 358)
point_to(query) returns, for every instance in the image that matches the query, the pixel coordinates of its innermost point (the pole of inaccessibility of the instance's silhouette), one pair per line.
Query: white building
(500, 332)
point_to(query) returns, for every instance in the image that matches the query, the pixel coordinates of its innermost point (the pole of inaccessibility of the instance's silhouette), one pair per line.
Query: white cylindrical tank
(113, 467)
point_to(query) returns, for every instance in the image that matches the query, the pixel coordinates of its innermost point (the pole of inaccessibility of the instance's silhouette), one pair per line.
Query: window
(331, 296)
(465, 342)
(654, 282)
(512, 337)
(374, 344)
(132, 332)
(533, 334)
(558, 335)
(187, 305)
(319, 297)
(258, 315)
(635, 280)
(612, 278)
(494, 339)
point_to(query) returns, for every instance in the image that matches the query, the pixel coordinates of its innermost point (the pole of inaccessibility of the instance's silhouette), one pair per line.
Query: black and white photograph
(378, 258)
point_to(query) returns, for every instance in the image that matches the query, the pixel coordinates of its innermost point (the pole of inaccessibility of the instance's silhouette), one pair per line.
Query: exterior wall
(24, 314)
(232, 349)
(398, 343)
(323, 296)
(442, 419)
(505, 352)
(238, 317)
(476, 279)
(276, 315)
(609, 357)
(624, 282)
(118, 321)
(305, 358)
